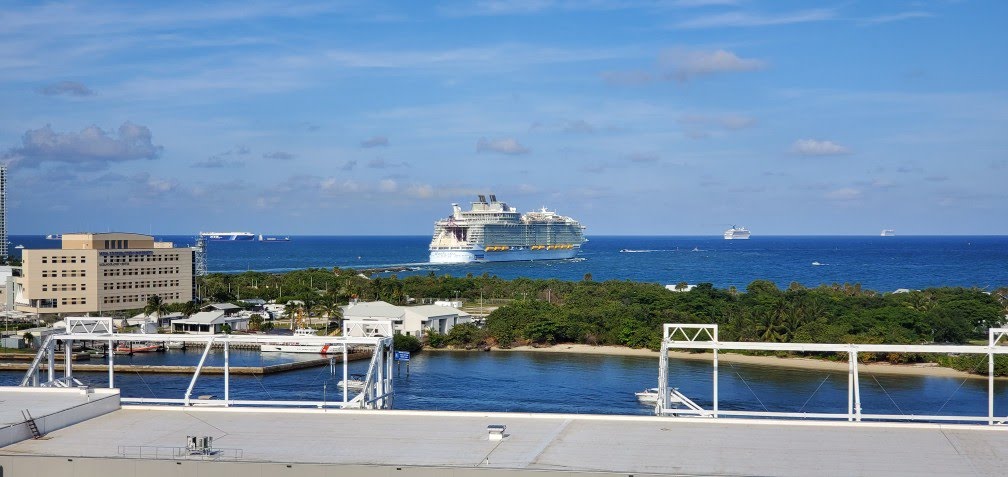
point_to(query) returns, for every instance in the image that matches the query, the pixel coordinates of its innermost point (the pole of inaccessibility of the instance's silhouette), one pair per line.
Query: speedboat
(354, 381)
(648, 396)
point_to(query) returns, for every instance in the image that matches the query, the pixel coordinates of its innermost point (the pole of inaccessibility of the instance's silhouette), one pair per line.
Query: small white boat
(354, 381)
(648, 396)
(888, 233)
(19, 246)
(816, 264)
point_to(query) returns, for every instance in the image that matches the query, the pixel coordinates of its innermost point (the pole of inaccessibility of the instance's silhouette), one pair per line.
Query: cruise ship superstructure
(736, 233)
(492, 231)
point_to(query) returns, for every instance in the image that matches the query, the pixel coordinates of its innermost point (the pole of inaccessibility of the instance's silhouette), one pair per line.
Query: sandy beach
(919, 369)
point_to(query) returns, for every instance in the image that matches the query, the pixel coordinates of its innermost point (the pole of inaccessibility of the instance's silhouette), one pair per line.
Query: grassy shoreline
(919, 369)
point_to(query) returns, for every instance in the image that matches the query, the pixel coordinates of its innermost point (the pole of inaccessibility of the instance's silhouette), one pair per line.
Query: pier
(216, 370)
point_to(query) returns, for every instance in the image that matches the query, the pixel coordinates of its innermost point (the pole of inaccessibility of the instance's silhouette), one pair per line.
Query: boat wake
(627, 250)
(817, 264)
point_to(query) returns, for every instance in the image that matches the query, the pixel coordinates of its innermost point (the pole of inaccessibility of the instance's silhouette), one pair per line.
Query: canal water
(500, 381)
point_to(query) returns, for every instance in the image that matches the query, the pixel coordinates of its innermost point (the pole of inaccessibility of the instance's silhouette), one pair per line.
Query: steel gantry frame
(378, 389)
(705, 337)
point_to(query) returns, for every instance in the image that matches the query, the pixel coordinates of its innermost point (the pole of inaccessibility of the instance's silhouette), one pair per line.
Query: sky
(676, 117)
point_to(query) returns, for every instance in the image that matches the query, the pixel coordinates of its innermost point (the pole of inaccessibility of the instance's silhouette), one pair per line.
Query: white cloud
(421, 191)
(508, 146)
(91, 146)
(642, 157)
(814, 147)
(744, 19)
(68, 88)
(684, 64)
(844, 194)
(279, 156)
(388, 185)
(375, 141)
(895, 17)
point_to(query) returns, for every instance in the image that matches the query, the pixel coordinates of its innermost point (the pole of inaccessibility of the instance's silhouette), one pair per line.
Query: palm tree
(333, 312)
(189, 308)
(155, 306)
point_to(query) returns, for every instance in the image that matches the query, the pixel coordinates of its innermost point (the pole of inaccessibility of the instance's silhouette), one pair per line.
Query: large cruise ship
(736, 233)
(492, 231)
(228, 236)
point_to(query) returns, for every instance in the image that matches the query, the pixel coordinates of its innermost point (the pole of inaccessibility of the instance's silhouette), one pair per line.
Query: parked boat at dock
(137, 348)
(296, 347)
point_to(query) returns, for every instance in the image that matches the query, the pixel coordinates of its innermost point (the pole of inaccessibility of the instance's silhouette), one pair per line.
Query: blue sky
(669, 117)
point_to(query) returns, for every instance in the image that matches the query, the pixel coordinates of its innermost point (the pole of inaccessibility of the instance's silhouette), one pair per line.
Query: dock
(217, 370)
(315, 442)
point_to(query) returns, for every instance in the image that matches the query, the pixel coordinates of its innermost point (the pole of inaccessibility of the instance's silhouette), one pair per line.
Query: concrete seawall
(160, 369)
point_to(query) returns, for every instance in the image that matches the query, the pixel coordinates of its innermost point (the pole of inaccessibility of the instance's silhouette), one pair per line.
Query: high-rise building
(100, 272)
(4, 246)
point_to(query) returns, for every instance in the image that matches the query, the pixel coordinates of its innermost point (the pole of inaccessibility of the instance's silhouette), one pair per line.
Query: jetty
(183, 369)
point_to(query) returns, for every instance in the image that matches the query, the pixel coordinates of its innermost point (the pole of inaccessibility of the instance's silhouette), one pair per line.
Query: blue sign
(402, 355)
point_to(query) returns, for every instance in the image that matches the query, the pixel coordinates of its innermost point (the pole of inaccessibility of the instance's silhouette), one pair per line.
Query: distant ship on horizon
(274, 238)
(492, 231)
(228, 236)
(736, 233)
(888, 233)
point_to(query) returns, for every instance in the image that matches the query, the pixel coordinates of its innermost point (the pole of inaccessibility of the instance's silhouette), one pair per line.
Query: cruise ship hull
(518, 255)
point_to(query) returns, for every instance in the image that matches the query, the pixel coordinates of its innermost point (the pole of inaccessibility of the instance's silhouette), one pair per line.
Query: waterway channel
(564, 383)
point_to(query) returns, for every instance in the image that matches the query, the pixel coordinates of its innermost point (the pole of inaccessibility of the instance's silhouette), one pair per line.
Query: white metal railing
(377, 393)
(705, 337)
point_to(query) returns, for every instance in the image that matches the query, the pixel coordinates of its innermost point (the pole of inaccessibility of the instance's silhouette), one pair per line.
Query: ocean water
(878, 263)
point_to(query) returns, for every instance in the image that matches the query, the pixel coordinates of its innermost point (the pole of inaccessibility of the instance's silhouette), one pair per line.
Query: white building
(209, 323)
(408, 320)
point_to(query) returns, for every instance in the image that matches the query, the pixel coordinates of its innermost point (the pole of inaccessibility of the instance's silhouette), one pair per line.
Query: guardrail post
(991, 341)
(111, 364)
(50, 351)
(227, 373)
(857, 385)
(68, 358)
(850, 385)
(715, 372)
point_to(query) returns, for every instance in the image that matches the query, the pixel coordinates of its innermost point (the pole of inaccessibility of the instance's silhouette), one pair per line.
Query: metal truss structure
(378, 391)
(705, 337)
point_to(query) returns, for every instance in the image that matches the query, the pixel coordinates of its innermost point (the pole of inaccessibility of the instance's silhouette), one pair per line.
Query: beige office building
(101, 272)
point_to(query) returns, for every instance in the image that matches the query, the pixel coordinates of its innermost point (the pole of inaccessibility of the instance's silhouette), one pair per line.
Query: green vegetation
(631, 314)
(409, 343)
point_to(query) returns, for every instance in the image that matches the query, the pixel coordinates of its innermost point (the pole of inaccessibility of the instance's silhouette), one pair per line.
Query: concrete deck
(51, 408)
(436, 443)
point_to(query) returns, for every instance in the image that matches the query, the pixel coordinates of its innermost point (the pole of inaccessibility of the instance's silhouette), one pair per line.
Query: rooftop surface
(626, 444)
(40, 403)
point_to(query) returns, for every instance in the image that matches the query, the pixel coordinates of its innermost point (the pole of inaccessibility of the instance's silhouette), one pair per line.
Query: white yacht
(888, 233)
(736, 233)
